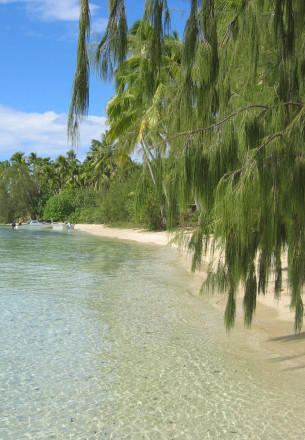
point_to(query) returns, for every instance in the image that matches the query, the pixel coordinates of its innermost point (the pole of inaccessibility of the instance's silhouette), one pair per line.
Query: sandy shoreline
(273, 320)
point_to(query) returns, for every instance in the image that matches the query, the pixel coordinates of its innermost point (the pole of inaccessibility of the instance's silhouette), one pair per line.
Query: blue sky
(38, 56)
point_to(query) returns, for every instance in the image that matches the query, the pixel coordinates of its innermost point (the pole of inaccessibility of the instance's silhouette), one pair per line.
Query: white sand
(141, 236)
(273, 320)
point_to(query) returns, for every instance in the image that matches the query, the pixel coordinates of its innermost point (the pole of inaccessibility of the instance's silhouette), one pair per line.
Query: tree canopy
(102, 188)
(229, 123)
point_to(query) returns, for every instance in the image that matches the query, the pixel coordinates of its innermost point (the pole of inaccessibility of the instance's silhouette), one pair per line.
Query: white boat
(33, 225)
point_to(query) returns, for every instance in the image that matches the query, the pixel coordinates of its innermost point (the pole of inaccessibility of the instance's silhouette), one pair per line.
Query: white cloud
(52, 10)
(67, 10)
(44, 133)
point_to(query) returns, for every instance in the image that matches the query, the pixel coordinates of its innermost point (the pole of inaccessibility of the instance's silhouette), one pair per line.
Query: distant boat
(33, 225)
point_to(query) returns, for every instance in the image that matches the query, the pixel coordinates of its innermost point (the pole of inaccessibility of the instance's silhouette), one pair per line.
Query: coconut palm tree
(136, 118)
(105, 161)
(61, 170)
(32, 160)
(18, 157)
(73, 168)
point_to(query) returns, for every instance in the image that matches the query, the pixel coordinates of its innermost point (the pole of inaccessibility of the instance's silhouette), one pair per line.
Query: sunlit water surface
(101, 339)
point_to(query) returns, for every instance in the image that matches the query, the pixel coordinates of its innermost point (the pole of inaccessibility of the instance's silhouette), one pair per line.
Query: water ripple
(101, 340)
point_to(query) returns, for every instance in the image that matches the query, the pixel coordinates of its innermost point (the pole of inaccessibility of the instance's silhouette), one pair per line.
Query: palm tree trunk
(146, 154)
(114, 172)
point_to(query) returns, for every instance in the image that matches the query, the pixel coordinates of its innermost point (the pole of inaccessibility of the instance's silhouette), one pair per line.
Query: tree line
(106, 187)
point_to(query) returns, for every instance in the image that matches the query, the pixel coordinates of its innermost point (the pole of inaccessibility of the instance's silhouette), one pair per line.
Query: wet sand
(273, 323)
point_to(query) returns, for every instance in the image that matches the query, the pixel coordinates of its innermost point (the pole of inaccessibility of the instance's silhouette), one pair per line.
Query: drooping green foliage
(113, 45)
(80, 96)
(224, 129)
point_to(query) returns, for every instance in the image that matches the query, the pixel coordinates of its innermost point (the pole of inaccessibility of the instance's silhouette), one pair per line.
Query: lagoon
(104, 339)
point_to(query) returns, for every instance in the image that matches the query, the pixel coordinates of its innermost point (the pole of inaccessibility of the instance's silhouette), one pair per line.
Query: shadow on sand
(291, 338)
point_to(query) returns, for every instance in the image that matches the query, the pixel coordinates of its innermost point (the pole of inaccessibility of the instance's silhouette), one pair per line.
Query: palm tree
(3, 165)
(32, 160)
(61, 170)
(104, 160)
(18, 157)
(86, 179)
(73, 165)
(71, 156)
(136, 118)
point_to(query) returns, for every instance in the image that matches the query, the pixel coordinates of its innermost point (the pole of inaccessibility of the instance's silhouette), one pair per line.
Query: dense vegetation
(219, 118)
(96, 191)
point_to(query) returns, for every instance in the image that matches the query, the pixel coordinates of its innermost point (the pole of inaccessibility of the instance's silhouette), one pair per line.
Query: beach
(273, 323)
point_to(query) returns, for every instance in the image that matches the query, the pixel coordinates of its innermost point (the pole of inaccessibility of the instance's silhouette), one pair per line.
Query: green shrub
(148, 210)
(63, 206)
(87, 215)
(115, 204)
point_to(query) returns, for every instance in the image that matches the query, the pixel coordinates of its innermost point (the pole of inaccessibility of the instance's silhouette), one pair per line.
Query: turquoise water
(102, 339)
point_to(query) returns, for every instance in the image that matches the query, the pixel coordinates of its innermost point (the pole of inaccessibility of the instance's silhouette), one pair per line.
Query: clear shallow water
(101, 339)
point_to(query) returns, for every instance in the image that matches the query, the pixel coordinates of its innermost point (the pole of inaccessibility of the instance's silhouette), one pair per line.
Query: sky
(38, 43)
